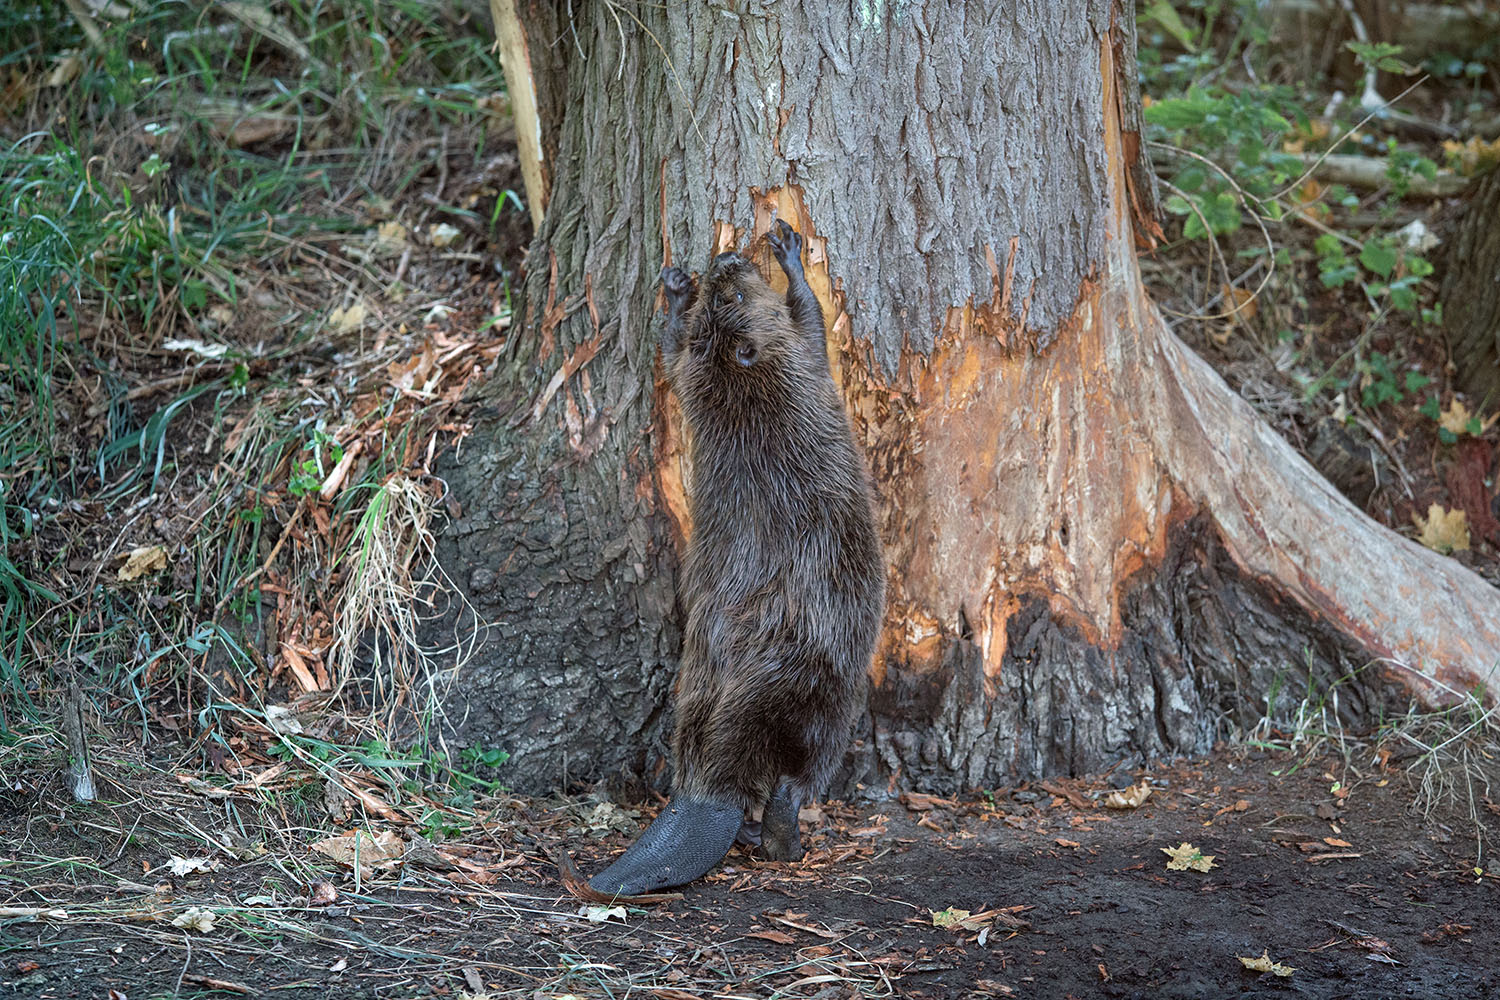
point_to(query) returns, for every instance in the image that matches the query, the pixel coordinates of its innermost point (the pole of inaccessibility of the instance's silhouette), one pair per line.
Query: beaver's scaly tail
(685, 841)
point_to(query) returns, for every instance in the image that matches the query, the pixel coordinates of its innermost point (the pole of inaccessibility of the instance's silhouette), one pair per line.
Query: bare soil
(1334, 874)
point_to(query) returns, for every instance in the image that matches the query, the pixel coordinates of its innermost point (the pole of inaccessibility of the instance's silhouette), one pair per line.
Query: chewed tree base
(1205, 653)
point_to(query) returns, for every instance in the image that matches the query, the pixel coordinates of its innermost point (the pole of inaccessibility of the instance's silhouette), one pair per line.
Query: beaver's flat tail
(684, 842)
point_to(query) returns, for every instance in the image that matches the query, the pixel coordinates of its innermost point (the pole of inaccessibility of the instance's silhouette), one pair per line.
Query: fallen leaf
(323, 893)
(68, 67)
(1128, 798)
(391, 235)
(143, 560)
(1336, 842)
(1239, 301)
(1443, 530)
(197, 919)
(347, 319)
(775, 937)
(442, 234)
(1474, 156)
(381, 851)
(948, 917)
(1455, 419)
(1187, 857)
(184, 866)
(603, 914)
(606, 816)
(1065, 842)
(1264, 964)
(282, 720)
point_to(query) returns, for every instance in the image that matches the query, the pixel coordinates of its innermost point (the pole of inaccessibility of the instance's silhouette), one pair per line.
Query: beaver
(783, 583)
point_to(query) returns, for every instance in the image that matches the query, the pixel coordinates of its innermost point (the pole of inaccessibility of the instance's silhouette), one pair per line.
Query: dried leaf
(391, 236)
(948, 917)
(1128, 798)
(282, 720)
(323, 893)
(1264, 964)
(68, 67)
(1474, 156)
(775, 937)
(347, 319)
(1443, 530)
(381, 851)
(185, 866)
(197, 919)
(1455, 419)
(442, 234)
(147, 559)
(603, 914)
(1187, 857)
(1239, 301)
(963, 920)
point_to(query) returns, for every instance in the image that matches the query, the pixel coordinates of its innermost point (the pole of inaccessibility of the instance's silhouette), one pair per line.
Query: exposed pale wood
(515, 60)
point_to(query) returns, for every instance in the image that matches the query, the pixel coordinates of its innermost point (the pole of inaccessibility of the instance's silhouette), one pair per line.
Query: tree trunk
(1471, 293)
(1096, 550)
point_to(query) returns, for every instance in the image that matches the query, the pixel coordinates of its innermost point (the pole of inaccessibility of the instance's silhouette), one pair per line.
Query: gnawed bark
(1096, 550)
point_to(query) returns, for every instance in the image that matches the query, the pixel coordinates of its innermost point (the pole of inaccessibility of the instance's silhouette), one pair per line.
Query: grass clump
(185, 194)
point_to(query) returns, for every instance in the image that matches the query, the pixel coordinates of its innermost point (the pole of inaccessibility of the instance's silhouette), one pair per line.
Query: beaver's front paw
(786, 244)
(678, 285)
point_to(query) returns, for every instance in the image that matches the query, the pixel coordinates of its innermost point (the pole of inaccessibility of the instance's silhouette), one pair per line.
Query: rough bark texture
(1095, 549)
(1471, 292)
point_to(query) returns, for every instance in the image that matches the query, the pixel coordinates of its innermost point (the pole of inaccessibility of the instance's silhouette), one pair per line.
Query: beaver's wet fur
(783, 583)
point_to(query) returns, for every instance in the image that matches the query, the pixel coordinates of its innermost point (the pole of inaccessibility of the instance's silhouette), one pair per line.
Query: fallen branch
(1370, 174)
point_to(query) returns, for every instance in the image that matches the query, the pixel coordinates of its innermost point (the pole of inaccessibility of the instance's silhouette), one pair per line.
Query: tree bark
(1471, 292)
(1096, 550)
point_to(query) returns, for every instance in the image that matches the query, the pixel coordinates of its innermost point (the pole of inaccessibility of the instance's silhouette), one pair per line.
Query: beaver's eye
(739, 296)
(745, 353)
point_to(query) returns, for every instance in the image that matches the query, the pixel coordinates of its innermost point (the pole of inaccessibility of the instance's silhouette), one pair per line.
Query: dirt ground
(1334, 874)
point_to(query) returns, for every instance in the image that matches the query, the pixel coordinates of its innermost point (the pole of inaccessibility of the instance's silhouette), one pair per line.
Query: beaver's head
(741, 325)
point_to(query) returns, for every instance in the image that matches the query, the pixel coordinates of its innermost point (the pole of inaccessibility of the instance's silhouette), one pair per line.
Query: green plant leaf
(1378, 256)
(1180, 112)
(1164, 14)
(1191, 178)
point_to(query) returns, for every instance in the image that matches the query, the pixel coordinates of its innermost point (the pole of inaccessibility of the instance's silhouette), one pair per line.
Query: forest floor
(170, 886)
